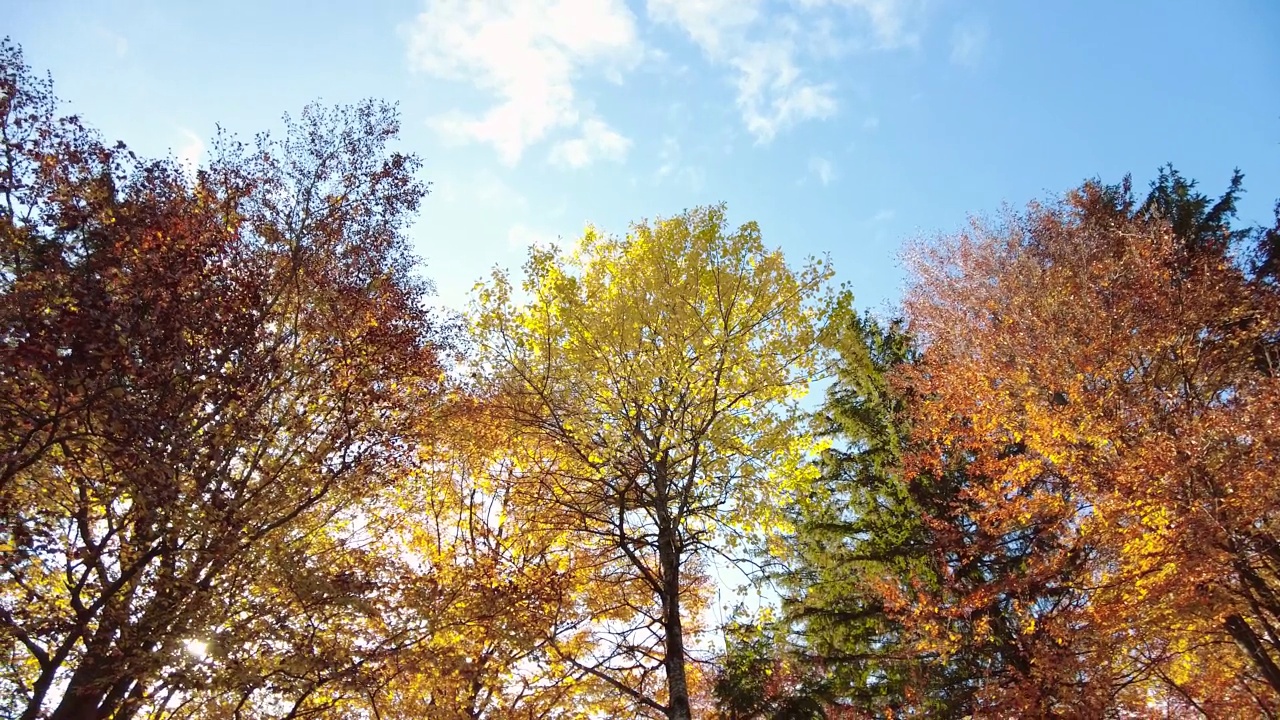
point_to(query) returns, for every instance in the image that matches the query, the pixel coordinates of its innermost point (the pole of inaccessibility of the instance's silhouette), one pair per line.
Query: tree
(854, 524)
(864, 553)
(206, 386)
(1201, 225)
(940, 564)
(1121, 375)
(659, 372)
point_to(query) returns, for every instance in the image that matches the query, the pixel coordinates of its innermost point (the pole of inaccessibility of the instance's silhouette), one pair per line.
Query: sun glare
(199, 649)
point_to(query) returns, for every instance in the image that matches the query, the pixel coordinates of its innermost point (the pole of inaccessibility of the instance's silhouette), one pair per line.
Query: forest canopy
(247, 471)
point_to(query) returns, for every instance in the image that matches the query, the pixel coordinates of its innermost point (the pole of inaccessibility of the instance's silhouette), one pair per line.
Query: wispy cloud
(822, 169)
(968, 43)
(190, 153)
(673, 168)
(488, 188)
(717, 26)
(767, 50)
(891, 21)
(527, 54)
(119, 43)
(521, 236)
(484, 187)
(597, 142)
(771, 94)
(668, 158)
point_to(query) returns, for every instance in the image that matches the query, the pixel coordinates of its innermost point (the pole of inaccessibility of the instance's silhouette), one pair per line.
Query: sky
(844, 127)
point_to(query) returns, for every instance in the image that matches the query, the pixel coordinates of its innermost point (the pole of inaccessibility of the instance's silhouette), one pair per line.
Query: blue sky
(842, 126)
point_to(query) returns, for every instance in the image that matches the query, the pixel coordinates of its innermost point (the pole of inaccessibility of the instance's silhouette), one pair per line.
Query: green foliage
(862, 524)
(758, 681)
(1198, 220)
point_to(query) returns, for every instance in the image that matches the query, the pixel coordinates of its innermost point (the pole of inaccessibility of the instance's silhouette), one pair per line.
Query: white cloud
(484, 188)
(521, 236)
(491, 190)
(871, 123)
(968, 43)
(766, 49)
(890, 20)
(771, 94)
(597, 142)
(672, 168)
(119, 43)
(717, 26)
(528, 55)
(668, 157)
(190, 153)
(822, 169)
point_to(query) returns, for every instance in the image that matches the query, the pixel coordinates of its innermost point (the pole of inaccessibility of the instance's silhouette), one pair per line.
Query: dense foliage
(245, 472)
(1058, 497)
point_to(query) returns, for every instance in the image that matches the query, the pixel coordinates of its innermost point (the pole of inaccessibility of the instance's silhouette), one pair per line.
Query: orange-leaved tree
(1109, 387)
(203, 380)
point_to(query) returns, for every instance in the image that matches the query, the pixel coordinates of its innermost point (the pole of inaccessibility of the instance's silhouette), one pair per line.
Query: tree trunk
(1248, 641)
(78, 704)
(92, 680)
(84, 695)
(677, 683)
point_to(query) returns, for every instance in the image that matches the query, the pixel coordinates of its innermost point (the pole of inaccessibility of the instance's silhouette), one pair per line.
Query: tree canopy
(247, 472)
(1056, 497)
(659, 373)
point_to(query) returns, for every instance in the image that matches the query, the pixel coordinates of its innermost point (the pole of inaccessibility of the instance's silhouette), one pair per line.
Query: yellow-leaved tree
(659, 374)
